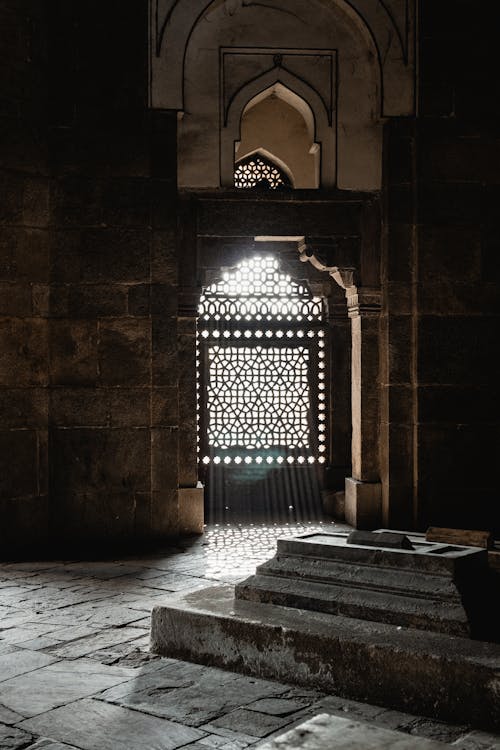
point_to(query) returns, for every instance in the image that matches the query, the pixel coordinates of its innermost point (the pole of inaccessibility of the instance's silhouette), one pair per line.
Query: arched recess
(297, 94)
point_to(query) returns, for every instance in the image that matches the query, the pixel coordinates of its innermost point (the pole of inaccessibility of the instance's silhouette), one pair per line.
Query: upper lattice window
(257, 172)
(256, 291)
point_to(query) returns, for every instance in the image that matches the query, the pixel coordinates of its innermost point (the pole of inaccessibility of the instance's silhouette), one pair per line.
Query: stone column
(363, 491)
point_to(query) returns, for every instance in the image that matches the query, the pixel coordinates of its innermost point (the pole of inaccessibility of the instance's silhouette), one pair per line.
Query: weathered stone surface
(88, 300)
(24, 343)
(73, 352)
(15, 300)
(18, 463)
(100, 407)
(165, 406)
(24, 254)
(94, 725)
(125, 352)
(323, 732)
(104, 254)
(104, 459)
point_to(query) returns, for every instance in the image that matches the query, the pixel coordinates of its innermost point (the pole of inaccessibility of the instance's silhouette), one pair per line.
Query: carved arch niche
(350, 63)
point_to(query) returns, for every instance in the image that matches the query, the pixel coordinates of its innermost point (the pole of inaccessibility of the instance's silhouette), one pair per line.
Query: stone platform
(385, 626)
(434, 674)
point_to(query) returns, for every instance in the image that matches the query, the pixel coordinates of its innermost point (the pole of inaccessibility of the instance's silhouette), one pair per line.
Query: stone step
(365, 604)
(427, 673)
(425, 585)
(392, 580)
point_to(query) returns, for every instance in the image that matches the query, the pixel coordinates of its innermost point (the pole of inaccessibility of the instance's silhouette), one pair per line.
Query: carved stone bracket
(319, 258)
(360, 301)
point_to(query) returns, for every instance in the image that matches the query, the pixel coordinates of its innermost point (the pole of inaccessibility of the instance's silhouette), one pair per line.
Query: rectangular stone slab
(325, 732)
(426, 673)
(430, 557)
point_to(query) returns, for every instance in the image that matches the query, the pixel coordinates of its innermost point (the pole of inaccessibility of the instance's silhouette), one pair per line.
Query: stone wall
(441, 281)
(113, 354)
(458, 292)
(24, 272)
(89, 370)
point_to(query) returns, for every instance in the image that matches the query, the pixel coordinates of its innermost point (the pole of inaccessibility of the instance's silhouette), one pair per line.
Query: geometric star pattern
(258, 397)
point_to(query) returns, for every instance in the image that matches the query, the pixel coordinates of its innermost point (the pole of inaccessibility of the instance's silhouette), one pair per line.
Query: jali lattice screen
(262, 374)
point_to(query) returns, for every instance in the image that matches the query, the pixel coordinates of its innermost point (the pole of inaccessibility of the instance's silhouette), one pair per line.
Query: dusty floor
(75, 670)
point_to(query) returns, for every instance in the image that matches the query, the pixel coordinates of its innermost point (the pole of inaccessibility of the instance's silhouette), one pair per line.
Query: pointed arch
(298, 94)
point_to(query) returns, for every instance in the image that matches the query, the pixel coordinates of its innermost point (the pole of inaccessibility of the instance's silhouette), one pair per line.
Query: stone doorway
(331, 242)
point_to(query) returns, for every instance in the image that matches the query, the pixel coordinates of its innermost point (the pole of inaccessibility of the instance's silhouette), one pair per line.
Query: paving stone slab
(251, 722)
(229, 735)
(167, 674)
(58, 684)
(6, 648)
(324, 732)
(84, 646)
(94, 725)
(212, 694)
(12, 738)
(41, 643)
(18, 636)
(129, 654)
(22, 661)
(71, 634)
(9, 717)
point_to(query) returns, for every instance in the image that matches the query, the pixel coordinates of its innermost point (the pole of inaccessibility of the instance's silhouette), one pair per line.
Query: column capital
(363, 302)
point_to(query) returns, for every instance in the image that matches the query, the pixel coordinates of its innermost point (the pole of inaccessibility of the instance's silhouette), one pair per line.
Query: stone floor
(76, 672)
